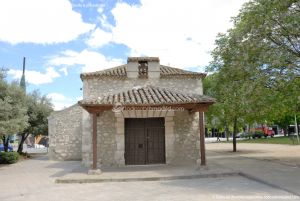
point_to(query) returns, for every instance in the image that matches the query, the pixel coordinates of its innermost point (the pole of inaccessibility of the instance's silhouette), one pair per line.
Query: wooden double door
(144, 141)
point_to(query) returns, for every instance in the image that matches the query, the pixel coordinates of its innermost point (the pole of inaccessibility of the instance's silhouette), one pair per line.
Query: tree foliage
(38, 109)
(13, 117)
(256, 64)
(21, 113)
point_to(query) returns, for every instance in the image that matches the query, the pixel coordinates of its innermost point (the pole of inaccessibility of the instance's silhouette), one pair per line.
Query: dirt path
(285, 154)
(277, 165)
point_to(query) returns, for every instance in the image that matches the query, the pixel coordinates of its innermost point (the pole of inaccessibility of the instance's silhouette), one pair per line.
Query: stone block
(120, 130)
(169, 118)
(170, 142)
(120, 120)
(163, 113)
(144, 113)
(119, 157)
(139, 114)
(119, 124)
(94, 172)
(170, 113)
(118, 114)
(131, 113)
(169, 124)
(198, 144)
(120, 146)
(169, 130)
(156, 113)
(153, 74)
(126, 113)
(120, 142)
(150, 113)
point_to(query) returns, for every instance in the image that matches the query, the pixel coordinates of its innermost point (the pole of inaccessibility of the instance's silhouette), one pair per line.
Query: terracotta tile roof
(148, 95)
(134, 59)
(171, 71)
(120, 72)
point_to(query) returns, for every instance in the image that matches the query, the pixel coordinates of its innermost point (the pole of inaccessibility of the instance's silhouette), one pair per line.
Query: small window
(143, 69)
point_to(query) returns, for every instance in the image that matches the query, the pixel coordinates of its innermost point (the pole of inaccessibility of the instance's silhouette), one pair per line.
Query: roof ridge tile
(120, 71)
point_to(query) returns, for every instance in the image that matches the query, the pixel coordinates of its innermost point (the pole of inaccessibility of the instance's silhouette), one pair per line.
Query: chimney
(143, 67)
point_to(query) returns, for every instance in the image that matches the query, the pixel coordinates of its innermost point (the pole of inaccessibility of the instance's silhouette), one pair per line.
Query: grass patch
(292, 140)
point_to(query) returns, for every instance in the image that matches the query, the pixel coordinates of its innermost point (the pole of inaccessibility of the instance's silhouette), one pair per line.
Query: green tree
(258, 63)
(275, 21)
(13, 109)
(232, 82)
(216, 116)
(39, 108)
(272, 30)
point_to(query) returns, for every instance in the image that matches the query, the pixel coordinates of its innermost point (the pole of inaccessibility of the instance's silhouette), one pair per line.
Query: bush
(8, 157)
(246, 135)
(257, 134)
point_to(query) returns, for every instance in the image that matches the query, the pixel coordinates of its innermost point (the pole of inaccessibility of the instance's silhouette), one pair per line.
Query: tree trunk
(226, 132)
(5, 143)
(296, 126)
(234, 134)
(23, 138)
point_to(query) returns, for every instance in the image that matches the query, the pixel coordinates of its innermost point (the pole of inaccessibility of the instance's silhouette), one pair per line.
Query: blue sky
(62, 38)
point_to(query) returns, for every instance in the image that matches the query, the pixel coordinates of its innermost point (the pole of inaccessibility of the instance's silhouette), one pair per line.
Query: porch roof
(148, 96)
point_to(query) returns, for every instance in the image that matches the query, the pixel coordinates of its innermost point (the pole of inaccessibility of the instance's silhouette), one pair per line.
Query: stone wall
(86, 139)
(182, 129)
(106, 135)
(187, 137)
(70, 130)
(181, 137)
(93, 88)
(65, 128)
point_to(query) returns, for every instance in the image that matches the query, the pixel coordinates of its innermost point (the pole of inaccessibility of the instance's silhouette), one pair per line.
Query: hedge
(8, 157)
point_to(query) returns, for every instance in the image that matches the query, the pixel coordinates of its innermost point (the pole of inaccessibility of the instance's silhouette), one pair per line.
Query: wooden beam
(194, 107)
(198, 109)
(94, 141)
(202, 138)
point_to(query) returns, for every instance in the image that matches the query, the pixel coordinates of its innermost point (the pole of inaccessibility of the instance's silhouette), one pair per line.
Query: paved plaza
(255, 172)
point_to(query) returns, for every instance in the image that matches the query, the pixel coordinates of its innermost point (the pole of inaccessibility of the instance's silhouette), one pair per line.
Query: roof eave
(195, 106)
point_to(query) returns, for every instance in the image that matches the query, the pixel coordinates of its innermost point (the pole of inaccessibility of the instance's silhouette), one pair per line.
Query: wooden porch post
(95, 170)
(202, 138)
(94, 141)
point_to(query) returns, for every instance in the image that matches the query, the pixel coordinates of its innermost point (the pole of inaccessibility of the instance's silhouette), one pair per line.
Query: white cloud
(60, 101)
(99, 38)
(58, 97)
(79, 98)
(64, 70)
(89, 60)
(104, 22)
(181, 33)
(36, 77)
(40, 21)
(101, 8)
